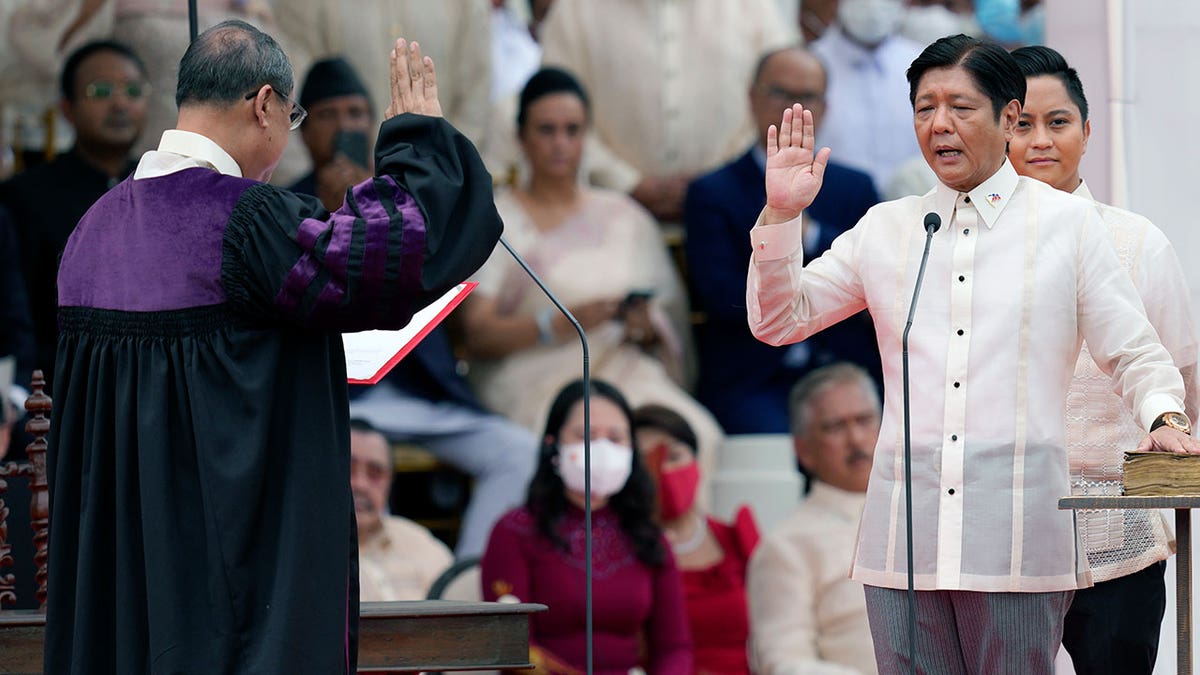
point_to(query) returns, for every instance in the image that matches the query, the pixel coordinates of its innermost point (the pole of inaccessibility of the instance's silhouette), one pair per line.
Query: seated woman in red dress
(536, 552)
(712, 555)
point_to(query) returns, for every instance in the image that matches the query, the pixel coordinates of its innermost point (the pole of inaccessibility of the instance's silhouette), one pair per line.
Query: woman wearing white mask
(536, 552)
(712, 555)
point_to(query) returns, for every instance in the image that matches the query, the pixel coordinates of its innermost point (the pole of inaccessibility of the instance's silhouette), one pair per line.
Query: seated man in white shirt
(806, 615)
(1017, 276)
(397, 558)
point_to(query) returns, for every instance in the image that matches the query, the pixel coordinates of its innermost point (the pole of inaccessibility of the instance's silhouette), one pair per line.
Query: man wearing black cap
(335, 131)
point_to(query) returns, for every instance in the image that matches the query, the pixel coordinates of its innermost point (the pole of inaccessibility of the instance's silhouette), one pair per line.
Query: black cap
(329, 78)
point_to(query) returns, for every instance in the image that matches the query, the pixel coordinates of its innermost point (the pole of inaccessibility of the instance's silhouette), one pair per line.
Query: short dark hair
(990, 66)
(1039, 60)
(666, 420)
(547, 81)
(228, 60)
(70, 70)
(634, 504)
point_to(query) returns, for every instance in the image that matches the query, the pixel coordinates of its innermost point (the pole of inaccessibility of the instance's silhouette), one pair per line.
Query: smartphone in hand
(353, 145)
(634, 298)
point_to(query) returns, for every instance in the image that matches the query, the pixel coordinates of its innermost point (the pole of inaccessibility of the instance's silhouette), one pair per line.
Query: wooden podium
(1183, 555)
(414, 636)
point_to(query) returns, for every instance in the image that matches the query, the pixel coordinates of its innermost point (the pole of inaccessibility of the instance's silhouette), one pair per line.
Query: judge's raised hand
(794, 170)
(414, 83)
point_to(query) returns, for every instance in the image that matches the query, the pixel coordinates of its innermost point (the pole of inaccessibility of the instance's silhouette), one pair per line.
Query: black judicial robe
(201, 515)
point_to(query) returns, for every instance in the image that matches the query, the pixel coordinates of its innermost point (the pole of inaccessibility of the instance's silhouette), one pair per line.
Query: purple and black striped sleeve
(423, 224)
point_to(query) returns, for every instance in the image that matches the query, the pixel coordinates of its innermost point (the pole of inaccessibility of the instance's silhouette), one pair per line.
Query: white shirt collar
(989, 197)
(1083, 191)
(180, 150)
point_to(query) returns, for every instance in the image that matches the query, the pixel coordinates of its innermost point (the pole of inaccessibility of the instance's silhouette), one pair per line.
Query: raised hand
(414, 82)
(794, 172)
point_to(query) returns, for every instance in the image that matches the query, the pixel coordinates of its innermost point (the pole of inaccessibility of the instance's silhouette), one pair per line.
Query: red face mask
(677, 491)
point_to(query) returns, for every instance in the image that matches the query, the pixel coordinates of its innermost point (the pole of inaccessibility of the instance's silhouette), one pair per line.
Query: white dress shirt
(1017, 277)
(667, 79)
(807, 617)
(869, 120)
(1100, 428)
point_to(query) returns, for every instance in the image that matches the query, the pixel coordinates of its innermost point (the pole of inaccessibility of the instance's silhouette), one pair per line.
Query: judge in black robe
(201, 519)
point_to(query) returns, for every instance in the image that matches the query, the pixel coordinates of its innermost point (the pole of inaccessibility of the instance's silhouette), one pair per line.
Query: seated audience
(536, 553)
(603, 256)
(336, 132)
(424, 399)
(806, 615)
(743, 381)
(397, 558)
(711, 555)
(104, 98)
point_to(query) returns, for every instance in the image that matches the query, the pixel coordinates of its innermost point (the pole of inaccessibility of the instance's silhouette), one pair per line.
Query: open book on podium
(372, 354)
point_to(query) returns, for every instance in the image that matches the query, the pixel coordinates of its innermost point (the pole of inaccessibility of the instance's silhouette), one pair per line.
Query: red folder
(372, 354)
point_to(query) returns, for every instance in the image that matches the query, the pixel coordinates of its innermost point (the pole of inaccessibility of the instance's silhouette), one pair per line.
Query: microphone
(587, 450)
(933, 222)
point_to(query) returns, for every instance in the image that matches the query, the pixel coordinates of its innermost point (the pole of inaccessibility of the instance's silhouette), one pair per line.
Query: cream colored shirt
(807, 617)
(179, 150)
(457, 35)
(668, 79)
(1100, 429)
(1016, 279)
(401, 562)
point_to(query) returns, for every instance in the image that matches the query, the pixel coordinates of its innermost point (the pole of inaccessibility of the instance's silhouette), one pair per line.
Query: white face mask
(924, 24)
(870, 21)
(611, 465)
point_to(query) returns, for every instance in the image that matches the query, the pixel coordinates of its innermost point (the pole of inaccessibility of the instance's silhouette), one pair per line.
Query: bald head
(228, 61)
(783, 77)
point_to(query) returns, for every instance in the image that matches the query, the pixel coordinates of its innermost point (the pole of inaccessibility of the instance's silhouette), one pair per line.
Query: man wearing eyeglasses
(744, 382)
(104, 98)
(201, 513)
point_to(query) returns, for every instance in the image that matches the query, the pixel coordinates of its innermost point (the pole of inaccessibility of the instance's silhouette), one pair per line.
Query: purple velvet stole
(152, 244)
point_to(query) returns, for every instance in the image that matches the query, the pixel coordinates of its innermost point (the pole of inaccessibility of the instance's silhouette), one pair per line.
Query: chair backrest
(39, 406)
(460, 581)
(758, 470)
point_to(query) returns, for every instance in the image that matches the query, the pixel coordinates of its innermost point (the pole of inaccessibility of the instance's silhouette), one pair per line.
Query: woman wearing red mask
(711, 554)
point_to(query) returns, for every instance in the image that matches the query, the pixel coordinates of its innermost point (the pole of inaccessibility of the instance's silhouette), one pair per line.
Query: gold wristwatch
(1175, 420)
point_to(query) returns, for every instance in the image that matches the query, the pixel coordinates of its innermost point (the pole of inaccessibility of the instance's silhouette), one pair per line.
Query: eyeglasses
(297, 114)
(102, 90)
(805, 98)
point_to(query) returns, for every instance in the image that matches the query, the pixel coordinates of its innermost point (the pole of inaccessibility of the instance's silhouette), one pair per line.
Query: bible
(1161, 474)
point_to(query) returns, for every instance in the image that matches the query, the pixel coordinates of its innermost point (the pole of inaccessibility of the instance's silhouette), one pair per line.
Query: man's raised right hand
(794, 172)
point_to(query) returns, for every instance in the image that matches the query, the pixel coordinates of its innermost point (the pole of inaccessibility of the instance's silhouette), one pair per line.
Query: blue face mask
(1004, 22)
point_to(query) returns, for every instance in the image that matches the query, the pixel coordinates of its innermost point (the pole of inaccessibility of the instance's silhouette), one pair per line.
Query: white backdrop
(1140, 65)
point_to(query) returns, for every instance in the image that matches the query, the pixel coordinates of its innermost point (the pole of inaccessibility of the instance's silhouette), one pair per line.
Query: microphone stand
(932, 223)
(587, 447)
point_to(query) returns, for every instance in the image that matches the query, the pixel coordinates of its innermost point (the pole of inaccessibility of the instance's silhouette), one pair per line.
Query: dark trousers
(1113, 627)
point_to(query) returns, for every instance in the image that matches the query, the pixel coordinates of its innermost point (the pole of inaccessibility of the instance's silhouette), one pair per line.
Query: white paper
(369, 351)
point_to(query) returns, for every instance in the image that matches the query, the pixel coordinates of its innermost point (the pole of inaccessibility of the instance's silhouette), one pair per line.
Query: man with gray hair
(199, 466)
(806, 615)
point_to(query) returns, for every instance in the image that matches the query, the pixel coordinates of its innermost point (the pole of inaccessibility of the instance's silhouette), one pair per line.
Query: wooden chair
(38, 406)
(427, 635)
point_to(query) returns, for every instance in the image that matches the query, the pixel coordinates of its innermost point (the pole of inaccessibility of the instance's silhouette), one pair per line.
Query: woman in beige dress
(602, 254)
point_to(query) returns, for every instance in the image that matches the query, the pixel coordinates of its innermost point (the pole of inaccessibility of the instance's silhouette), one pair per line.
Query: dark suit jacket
(745, 382)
